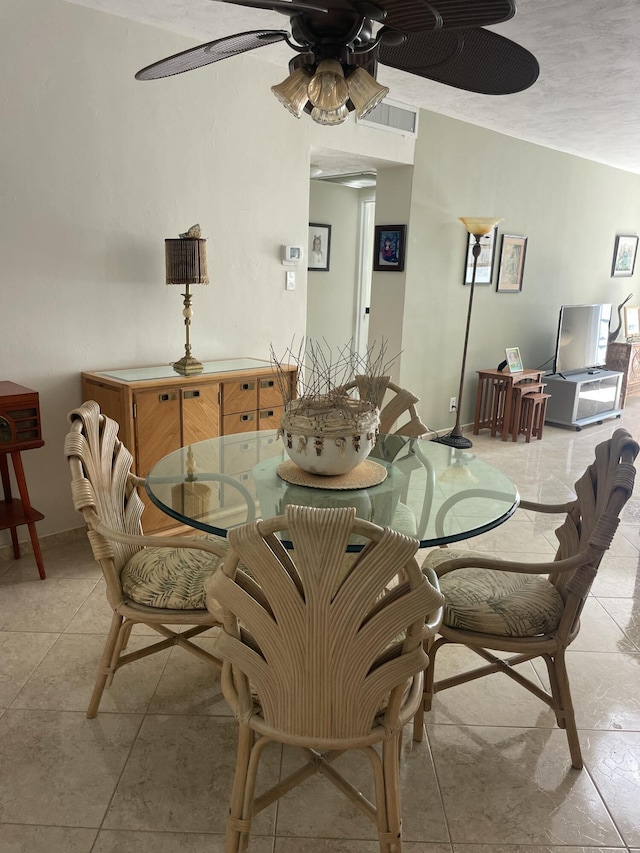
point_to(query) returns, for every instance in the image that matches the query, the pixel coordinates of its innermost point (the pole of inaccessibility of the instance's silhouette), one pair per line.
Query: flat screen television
(583, 335)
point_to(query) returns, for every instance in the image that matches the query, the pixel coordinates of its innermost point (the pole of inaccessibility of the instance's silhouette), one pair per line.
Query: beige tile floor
(153, 771)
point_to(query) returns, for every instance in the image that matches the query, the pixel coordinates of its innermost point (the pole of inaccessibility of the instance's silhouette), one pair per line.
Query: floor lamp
(478, 227)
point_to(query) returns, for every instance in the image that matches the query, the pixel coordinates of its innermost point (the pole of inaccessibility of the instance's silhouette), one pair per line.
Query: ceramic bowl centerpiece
(331, 422)
(329, 434)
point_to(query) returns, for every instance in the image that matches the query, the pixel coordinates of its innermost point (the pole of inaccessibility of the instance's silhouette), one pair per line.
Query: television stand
(584, 397)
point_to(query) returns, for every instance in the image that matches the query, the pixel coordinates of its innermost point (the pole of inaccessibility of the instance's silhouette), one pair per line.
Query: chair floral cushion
(168, 578)
(491, 601)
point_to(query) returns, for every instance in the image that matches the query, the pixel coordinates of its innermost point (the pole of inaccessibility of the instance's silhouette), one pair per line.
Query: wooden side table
(494, 398)
(19, 430)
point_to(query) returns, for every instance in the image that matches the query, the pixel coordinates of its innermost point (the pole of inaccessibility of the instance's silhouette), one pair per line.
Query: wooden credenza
(160, 411)
(625, 357)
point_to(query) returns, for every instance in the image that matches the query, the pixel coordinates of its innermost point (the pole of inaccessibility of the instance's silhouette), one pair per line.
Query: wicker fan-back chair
(533, 609)
(375, 390)
(157, 581)
(322, 653)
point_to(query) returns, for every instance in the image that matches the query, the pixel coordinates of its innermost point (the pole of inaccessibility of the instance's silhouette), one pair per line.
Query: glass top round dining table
(431, 492)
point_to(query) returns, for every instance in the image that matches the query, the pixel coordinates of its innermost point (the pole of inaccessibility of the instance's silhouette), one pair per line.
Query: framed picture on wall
(624, 256)
(388, 244)
(319, 250)
(486, 258)
(510, 272)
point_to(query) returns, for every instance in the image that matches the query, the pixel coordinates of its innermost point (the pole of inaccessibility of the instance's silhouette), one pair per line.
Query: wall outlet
(452, 404)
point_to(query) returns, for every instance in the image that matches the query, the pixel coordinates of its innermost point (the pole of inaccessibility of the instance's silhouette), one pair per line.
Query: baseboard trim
(53, 540)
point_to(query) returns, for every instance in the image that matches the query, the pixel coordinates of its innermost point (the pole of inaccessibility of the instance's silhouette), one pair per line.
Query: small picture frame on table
(512, 255)
(624, 256)
(486, 258)
(389, 242)
(514, 361)
(319, 247)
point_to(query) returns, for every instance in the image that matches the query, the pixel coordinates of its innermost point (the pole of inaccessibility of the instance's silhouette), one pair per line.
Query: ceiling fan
(339, 43)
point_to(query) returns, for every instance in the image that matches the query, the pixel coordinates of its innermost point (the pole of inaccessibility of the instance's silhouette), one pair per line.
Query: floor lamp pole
(482, 227)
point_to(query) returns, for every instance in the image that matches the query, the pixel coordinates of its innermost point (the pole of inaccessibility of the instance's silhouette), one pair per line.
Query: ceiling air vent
(388, 115)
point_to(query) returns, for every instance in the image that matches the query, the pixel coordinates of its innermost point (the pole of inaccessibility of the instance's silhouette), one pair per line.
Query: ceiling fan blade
(476, 60)
(410, 16)
(212, 51)
(276, 5)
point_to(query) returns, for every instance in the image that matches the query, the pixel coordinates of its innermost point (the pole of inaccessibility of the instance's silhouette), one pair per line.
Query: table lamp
(186, 263)
(478, 227)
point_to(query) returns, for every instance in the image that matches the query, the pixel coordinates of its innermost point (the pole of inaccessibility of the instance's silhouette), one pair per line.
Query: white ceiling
(585, 102)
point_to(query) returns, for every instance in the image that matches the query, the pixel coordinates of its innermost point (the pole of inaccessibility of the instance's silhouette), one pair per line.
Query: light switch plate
(291, 280)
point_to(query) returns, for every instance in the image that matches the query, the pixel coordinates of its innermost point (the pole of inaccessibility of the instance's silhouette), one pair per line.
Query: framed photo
(486, 259)
(631, 321)
(388, 244)
(319, 247)
(514, 362)
(624, 256)
(512, 254)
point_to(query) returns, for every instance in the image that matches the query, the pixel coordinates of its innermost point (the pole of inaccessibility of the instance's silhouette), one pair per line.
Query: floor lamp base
(458, 441)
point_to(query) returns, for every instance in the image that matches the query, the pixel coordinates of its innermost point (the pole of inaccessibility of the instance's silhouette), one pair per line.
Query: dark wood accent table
(19, 430)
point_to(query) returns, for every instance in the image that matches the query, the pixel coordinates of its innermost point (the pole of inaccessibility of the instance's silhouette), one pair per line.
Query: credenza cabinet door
(200, 413)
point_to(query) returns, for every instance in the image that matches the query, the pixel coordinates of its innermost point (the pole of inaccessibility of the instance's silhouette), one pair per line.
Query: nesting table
(494, 398)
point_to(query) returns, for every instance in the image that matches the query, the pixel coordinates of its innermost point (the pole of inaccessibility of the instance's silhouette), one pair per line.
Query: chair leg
(105, 670)
(118, 648)
(563, 704)
(236, 808)
(427, 690)
(391, 774)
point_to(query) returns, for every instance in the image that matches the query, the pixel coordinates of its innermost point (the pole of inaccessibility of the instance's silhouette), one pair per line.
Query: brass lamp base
(187, 366)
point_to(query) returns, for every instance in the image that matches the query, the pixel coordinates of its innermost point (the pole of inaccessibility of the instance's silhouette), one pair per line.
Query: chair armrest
(201, 544)
(476, 562)
(434, 619)
(550, 508)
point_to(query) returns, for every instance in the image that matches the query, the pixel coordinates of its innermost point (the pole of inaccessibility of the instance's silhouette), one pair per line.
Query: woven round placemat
(363, 476)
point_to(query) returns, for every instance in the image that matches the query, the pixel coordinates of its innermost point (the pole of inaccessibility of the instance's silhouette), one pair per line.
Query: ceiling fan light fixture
(365, 92)
(292, 92)
(330, 117)
(328, 90)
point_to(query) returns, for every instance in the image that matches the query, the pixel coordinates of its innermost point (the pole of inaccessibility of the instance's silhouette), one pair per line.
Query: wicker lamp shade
(186, 260)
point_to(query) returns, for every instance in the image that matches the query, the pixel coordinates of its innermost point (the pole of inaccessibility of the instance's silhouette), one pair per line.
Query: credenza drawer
(239, 422)
(239, 396)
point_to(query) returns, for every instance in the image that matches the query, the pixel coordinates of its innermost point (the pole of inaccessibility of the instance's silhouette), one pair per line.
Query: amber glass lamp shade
(328, 90)
(479, 226)
(330, 117)
(365, 92)
(292, 92)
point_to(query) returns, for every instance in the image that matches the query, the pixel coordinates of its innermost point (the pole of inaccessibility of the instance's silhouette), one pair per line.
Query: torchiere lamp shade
(186, 260)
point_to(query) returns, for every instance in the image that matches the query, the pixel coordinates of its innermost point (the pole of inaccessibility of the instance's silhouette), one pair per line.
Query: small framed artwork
(631, 321)
(512, 254)
(624, 256)
(319, 247)
(389, 241)
(486, 258)
(514, 362)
